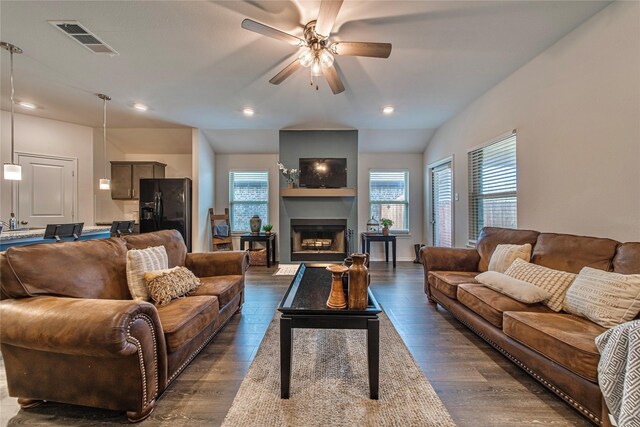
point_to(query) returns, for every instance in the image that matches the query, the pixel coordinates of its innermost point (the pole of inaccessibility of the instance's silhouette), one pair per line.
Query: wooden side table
(367, 238)
(269, 241)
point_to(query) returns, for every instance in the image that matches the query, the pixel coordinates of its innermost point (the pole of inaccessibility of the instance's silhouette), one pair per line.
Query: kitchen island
(31, 236)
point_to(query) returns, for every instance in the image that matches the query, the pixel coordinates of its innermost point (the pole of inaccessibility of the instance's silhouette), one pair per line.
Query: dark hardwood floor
(478, 386)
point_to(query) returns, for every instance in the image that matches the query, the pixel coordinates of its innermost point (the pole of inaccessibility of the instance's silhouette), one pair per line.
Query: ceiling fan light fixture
(306, 59)
(316, 69)
(326, 59)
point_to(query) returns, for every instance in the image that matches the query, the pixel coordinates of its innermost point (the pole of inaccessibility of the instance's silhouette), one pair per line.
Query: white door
(442, 204)
(47, 192)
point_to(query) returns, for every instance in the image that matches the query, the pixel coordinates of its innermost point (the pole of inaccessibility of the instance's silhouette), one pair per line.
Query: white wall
(576, 108)
(228, 162)
(50, 137)
(412, 163)
(203, 191)
(178, 166)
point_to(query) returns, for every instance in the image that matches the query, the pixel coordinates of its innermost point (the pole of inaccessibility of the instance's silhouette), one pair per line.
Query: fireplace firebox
(318, 239)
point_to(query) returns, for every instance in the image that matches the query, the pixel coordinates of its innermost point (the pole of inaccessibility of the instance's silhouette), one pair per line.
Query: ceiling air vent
(83, 36)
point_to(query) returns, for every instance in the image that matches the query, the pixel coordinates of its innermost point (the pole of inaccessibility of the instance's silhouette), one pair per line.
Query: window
(248, 196)
(442, 204)
(493, 185)
(389, 197)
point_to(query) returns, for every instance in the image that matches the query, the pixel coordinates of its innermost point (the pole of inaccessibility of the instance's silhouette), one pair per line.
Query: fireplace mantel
(318, 192)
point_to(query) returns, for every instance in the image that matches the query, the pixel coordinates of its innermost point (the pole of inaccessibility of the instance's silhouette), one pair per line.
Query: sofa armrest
(225, 263)
(87, 327)
(447, 259)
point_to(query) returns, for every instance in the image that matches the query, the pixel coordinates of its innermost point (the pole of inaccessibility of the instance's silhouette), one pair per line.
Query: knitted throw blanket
(619, 372)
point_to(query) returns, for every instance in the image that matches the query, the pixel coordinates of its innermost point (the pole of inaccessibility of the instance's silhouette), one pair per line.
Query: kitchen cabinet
(125, 177)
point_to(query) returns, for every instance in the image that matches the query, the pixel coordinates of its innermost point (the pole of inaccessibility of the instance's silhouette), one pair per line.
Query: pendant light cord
(104, 132)
(12, 106)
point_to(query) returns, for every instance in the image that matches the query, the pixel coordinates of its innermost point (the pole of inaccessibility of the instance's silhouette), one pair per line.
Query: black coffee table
(304, 306)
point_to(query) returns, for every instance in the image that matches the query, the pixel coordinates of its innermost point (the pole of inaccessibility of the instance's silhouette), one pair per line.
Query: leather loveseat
(557, 349)
(71, 332)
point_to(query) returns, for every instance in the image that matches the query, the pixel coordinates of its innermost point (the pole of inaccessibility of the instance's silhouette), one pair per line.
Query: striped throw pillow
(140, 261)
(606, 298)
(504, 255)
(553, 281)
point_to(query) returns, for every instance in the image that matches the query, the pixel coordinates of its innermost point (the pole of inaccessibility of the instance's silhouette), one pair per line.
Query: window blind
(388, 197)
(493, 184)
(248, 196)
(442, 205)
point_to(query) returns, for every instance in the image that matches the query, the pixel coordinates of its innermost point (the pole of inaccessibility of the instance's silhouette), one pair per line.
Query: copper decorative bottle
(358, 283)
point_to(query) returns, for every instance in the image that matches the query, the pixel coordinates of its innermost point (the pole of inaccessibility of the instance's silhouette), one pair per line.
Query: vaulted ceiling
(193, 65)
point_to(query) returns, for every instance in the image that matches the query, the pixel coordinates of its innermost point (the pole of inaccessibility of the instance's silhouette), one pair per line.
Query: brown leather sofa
(557, 349)
(71, 332)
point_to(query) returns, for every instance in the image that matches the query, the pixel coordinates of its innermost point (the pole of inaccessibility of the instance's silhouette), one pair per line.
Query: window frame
(246, 202)
(473, 198)
(406, 201)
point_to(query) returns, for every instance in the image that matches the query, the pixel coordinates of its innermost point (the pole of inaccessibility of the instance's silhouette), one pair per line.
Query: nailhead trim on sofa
(149, 322)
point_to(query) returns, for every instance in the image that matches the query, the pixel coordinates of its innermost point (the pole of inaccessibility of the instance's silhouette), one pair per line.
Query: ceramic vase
(255, 223)
(358, 283)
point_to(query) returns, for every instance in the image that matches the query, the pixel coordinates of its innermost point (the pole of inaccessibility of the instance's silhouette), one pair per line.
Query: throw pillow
(139, 261)
(504, 255)
(553, 281)
(166, 286)
(606, 298)
(519, 290)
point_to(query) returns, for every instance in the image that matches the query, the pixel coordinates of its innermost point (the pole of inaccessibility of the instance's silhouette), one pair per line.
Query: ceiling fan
(319, 52)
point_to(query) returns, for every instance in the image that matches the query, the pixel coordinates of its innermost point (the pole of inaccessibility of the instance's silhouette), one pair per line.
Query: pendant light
(12, 171)
(105, 183)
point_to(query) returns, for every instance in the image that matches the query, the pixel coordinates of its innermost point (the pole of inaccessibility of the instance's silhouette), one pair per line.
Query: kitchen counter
(35, 235)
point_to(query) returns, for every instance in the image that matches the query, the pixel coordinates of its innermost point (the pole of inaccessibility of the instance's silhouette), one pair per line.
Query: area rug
(286, 270)
(329, 384)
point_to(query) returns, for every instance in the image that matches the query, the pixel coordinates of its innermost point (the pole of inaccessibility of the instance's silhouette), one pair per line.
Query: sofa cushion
(627, 259)
(565, 339)
(447, 281)
(224, 287)
(83, 269)
(490, 305)
(490, 237)
(570, 253)
(184, 318)
(519, 290)
(606, 298)
(140, 261)
(171, 240)
(504, 255)
(170, 284)
(555, 282)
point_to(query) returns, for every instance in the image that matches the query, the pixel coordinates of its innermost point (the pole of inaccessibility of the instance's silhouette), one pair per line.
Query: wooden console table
(367, 238)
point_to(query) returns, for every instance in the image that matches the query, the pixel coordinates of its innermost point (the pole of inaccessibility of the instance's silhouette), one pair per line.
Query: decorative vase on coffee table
(358, 283)
(255, 224)
(336, 297)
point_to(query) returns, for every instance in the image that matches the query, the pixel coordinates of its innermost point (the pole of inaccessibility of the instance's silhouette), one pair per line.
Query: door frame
(74, 192)
(430, 168)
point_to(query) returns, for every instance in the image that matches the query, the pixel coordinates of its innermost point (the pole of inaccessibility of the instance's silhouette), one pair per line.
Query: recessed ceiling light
(140, 107)
(28, 105)
(388, 109)
(248, 112)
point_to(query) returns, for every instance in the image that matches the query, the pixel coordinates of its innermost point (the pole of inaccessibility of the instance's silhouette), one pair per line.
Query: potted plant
(386, 223)
(267, 229)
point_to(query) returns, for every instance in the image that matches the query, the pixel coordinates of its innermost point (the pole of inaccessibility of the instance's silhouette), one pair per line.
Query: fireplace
(318, 239)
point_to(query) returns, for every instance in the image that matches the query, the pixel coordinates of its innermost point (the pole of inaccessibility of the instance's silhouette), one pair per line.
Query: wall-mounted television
(323, 173)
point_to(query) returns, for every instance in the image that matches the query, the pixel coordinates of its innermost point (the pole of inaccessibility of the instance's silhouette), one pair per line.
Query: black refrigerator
(165, 204)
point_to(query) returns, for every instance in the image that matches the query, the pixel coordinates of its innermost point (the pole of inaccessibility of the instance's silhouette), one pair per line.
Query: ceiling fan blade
(373, 50)
(327, 16)
(286, 72)
(265, 30)
(331, 74)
